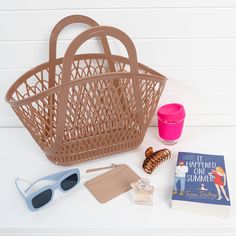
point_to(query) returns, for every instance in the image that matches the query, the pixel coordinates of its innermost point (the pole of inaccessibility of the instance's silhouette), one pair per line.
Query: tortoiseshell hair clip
(154, 159)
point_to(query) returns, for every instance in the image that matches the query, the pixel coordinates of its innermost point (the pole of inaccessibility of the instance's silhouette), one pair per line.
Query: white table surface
(78, 212)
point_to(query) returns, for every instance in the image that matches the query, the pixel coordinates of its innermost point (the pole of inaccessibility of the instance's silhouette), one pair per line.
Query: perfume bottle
(143, 192)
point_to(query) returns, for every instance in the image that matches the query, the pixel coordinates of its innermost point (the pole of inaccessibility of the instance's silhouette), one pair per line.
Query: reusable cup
(170, 122)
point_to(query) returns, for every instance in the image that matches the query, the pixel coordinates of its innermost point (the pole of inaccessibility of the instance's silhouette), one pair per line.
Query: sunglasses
(65, 181)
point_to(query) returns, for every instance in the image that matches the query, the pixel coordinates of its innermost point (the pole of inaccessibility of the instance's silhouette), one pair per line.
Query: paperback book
(201, 184)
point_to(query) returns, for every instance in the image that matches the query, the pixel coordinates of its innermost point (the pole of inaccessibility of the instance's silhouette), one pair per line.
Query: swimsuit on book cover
(220, 181)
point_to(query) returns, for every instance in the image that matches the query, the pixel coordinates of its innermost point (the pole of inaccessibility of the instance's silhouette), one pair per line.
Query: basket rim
(50, 91)
(113, 75)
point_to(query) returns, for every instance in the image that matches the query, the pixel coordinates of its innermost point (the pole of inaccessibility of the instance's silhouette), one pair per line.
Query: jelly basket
(82, 107)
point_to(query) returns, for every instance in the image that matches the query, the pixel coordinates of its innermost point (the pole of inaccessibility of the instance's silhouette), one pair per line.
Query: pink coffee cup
(170, 122)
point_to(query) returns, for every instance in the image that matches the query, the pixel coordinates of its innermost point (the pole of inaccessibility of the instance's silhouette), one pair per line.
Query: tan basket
(82, 107)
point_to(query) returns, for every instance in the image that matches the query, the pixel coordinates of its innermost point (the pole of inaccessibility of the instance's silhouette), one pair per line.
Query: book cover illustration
(201, 178)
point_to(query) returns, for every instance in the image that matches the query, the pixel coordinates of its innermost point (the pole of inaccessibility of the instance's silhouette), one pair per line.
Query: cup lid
(172, 112)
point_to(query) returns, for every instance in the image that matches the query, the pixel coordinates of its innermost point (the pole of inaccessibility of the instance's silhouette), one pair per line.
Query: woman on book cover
(220, 181)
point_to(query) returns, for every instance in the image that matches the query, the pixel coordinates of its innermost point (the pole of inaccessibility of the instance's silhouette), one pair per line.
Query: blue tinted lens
(42, 198)
(69, 182)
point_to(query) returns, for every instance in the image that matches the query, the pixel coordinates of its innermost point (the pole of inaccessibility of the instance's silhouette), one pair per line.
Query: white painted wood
(117, 232)
(8, 77)
(218, 106)
(199, 78)
(194, 102)
(138, 23)
(192, 120)
(103, 4)
(204, 120)
(161, 52)
(180, 78)
(10, 121)
(192, 42)
(78, 213)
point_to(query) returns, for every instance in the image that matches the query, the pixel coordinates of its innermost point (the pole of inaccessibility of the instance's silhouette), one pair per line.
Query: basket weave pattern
(102, 112)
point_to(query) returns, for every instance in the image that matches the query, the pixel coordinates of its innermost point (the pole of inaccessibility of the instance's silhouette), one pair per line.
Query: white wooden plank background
(192, 42)
(103, 4)
(162, 52)
(139, 23)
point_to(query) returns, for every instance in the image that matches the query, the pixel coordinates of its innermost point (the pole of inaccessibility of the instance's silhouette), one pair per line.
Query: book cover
(201, 178)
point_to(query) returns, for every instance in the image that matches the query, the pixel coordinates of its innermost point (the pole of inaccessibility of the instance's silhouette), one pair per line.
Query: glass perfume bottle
(143, 192)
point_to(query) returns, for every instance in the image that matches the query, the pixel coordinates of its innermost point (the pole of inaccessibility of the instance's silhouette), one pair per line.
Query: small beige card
(112, 183)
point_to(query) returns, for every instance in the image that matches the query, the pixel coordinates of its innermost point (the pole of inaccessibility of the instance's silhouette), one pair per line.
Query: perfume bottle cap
(142, 185)
(143, 192)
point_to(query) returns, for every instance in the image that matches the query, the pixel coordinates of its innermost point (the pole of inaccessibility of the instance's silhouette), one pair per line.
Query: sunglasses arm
(53, 177)
(19, 189)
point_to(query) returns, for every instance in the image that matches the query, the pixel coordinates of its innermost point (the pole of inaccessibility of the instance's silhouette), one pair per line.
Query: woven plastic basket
(82, 107)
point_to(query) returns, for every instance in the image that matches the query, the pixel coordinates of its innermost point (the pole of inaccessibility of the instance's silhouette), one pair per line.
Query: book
(201, 184)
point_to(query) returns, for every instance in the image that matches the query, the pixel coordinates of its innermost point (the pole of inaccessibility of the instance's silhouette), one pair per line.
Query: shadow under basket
(82, 107)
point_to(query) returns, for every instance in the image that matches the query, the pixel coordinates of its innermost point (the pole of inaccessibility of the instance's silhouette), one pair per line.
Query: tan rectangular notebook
(112, 183)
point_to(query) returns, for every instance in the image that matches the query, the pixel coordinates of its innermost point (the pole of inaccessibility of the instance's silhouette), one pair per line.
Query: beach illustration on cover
(201, 178)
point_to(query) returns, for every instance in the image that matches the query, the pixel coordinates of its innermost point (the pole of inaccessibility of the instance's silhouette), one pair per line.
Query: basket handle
(66, 72)
(53, 42)
(101, 31)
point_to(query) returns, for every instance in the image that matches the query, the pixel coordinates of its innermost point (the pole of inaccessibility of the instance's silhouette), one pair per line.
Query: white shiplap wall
(192, 42)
